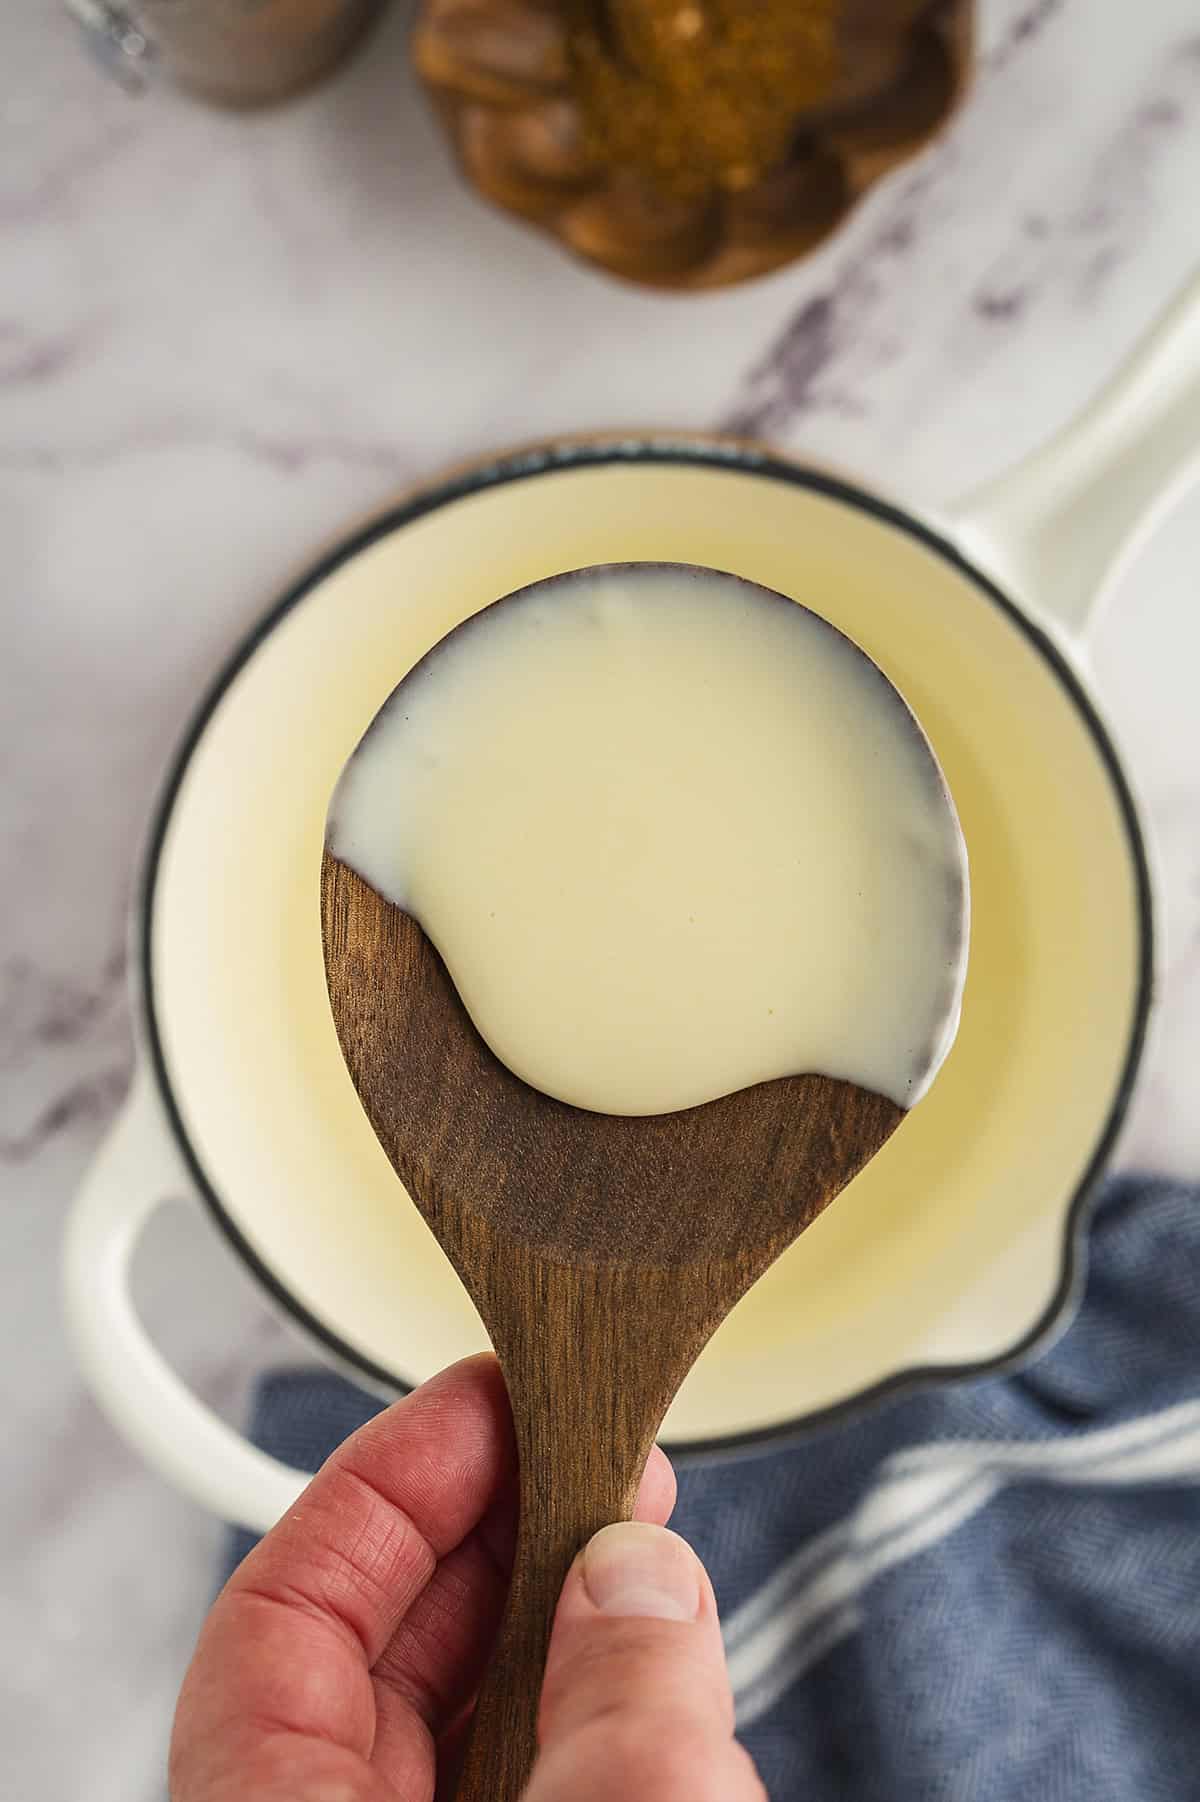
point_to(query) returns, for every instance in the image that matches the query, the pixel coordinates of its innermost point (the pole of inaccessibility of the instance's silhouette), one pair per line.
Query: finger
(656, 1497)
(288, 1646)
(366, 1535)
(636, 1699)
(440, 1650)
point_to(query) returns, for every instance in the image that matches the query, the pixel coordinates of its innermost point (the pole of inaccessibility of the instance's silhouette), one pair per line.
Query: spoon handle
(590, 1378)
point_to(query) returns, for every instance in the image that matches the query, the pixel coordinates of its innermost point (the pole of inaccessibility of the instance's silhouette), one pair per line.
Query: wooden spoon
(601, 1252)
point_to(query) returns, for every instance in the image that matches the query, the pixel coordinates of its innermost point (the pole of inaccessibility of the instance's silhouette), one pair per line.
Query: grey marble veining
(221, 338)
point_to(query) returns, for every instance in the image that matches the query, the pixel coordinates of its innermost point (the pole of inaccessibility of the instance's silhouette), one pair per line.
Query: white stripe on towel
(919, 1497)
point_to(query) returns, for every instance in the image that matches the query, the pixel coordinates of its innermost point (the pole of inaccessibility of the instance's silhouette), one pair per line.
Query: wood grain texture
(601, 1252)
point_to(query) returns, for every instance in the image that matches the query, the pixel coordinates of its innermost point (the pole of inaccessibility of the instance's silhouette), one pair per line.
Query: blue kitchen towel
(988, 1592)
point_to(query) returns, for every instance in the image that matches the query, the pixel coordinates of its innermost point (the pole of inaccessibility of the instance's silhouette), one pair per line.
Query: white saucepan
(959, 1249)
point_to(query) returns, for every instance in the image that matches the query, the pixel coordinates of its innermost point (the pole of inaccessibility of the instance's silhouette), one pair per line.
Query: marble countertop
(222, 337)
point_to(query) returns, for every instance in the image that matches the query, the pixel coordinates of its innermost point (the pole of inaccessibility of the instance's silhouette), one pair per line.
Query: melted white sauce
(673, 835)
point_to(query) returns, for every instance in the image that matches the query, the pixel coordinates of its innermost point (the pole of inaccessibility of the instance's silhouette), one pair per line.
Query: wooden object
(601, 1252)
(512, 87)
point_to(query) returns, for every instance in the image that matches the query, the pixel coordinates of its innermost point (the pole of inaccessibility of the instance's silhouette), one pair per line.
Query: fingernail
(637, 1569)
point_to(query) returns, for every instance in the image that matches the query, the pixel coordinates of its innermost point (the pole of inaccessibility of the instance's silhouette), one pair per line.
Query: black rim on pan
(743, 459)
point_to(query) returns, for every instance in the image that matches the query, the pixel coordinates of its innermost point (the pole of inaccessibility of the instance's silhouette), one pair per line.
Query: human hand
(340, 1660)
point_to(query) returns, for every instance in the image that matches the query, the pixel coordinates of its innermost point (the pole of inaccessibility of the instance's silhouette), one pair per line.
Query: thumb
(636, 1699)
